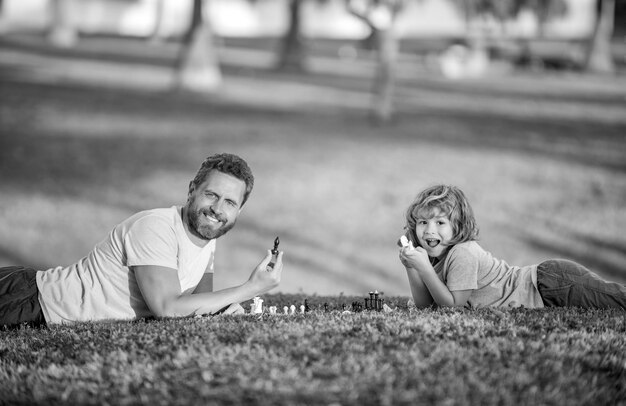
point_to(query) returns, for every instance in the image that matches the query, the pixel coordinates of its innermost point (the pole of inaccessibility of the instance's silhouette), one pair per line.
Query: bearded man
(156, 263)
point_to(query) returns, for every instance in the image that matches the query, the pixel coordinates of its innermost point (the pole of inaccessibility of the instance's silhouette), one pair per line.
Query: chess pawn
(259, 306)
(301, 309)
(292, 309)
(252, 308)
(286, 310)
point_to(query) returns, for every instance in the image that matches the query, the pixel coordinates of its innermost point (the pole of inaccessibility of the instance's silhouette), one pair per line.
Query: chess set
(375, 302)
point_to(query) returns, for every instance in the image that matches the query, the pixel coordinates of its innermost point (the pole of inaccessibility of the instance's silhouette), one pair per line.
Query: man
(155, 263)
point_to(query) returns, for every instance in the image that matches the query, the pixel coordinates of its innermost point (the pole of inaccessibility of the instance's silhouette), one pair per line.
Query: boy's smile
(434, 233)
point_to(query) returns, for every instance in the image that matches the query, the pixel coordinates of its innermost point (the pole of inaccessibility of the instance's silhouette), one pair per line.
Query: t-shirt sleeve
(151, 241)
(461, 269)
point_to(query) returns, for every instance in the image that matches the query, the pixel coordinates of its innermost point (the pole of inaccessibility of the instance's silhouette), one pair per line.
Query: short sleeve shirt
(103, 286)
(467, 266)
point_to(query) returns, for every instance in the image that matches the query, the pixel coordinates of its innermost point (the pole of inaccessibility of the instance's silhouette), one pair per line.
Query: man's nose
(217, 206)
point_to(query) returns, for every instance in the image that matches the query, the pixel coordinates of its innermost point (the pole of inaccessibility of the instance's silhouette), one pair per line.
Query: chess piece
(306, 306)
(301, 309)
(285, 310)
(258, 305)
(274, 253)
(292, 309)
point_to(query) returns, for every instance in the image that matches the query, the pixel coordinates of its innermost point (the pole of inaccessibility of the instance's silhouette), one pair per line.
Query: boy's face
(434, 232)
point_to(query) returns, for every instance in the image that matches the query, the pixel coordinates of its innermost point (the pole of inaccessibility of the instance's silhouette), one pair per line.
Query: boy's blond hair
(452, 202)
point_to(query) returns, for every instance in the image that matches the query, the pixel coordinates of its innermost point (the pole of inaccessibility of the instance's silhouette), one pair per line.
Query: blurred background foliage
(345, 110)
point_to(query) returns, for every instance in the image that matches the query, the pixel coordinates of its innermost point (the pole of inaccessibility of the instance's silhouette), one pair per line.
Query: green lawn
(406, 357)
(90, 136)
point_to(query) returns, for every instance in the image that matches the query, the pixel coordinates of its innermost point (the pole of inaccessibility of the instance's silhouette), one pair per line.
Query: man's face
(213, 206)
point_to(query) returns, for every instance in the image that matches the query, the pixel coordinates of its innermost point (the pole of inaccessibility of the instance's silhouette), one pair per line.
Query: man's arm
(161, 290)
(205, 284)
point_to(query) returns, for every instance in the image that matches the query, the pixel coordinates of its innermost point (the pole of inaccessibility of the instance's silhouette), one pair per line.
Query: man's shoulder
(168, 214)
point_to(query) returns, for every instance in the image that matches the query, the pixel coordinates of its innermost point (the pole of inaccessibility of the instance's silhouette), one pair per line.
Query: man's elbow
(168, 309)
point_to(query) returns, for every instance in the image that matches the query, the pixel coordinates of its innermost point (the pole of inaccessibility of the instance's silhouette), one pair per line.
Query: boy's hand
(415, 257)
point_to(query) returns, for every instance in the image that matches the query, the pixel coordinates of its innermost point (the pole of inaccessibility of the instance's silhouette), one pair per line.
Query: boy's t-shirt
(495, 283)
(102, 286)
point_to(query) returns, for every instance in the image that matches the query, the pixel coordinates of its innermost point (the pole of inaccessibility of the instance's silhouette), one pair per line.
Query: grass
(435, 357)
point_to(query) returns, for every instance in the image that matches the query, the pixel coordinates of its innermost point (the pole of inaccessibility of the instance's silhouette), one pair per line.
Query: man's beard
(203, 231)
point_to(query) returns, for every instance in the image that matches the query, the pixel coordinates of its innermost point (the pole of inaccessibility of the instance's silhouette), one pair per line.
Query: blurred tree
(503, 11)
(155, 35)
(292, 53)
(197, 67)
(599, 57)
(61, 32)
(381, 17)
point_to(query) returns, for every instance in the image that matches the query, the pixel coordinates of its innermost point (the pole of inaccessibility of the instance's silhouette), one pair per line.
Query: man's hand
(264, 277)
(234, 308)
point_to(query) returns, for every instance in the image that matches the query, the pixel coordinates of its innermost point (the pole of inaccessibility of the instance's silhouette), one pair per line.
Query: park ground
(89, 136)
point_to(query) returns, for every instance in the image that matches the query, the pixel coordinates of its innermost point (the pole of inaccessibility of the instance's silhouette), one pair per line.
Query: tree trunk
(384, 81)
(292, 50)
(62, 33)
(599, 57)
(155, 35)
(198, 66)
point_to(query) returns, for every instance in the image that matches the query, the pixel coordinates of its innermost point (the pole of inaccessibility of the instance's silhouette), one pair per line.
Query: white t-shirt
(101, 285)
(494, 282)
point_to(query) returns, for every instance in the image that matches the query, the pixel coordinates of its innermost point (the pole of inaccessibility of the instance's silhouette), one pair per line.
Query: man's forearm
(207, 302)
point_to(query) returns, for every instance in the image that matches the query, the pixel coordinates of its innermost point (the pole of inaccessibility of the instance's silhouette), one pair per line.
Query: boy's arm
(415, 259)
(440, 292)
(421, 296)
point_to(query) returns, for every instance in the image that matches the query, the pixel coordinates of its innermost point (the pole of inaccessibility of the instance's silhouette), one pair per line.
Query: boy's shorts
(19, 302)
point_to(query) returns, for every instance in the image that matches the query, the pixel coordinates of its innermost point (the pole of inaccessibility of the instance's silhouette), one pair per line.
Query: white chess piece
(272, 309)
(292, 309)
(285, 310)
(301, 309)
(258, 305)
(404, 241)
